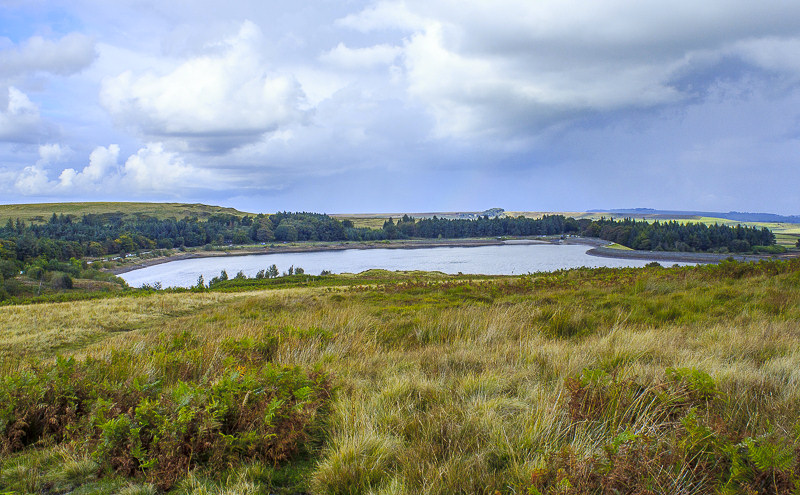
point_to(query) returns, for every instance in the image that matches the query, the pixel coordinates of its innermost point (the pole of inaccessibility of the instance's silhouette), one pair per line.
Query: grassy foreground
(680, 380)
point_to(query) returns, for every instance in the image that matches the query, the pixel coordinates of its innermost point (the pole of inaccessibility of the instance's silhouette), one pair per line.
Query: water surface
(506, 259)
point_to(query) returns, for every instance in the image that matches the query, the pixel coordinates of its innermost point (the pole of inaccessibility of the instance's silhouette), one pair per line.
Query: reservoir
(507, 259)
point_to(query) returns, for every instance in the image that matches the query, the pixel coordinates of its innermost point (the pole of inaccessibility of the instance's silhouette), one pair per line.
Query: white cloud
(68, 55)
(384, 15)
(776, 54)
(22, 66)
(154, 169)
(151, 170)
(19, 120)
(52, 153)
(102, 168)
(217, 101)
(101, 161)
(360, 58)
(32, 181)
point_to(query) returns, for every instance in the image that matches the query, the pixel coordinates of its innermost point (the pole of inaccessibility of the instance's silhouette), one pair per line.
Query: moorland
(654, 380)
(583, 381)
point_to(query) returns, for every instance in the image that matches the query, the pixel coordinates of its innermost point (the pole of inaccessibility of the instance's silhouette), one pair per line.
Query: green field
(41, 212)
(787, 240)
(370, 222)
(619, 247)
(654, 380)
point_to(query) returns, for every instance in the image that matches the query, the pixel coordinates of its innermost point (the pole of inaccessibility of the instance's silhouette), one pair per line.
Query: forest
(64, 237)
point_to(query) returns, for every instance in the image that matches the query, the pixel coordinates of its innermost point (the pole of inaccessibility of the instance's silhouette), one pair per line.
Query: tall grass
(680, 380)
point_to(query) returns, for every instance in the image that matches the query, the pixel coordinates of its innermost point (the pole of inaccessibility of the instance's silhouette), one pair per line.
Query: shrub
(187, 411)
(155, 286)
(774, 249)
(8, 268)
(61, 281)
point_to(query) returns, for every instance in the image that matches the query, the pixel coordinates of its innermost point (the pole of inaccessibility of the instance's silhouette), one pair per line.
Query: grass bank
(680, 380)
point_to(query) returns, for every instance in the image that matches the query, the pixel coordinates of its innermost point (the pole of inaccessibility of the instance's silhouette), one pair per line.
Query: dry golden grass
(440, 394)
(41, 330)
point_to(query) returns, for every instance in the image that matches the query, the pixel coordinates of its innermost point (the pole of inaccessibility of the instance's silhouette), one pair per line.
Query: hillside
(737, 216)
(41, 212)
(654, 380)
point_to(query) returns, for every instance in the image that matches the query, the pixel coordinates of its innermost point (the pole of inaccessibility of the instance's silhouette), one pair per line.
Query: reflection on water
(506, 259)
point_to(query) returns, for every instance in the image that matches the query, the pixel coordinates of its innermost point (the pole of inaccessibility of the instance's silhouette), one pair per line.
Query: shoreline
(675, 256)
(338, 246)
(597, 247)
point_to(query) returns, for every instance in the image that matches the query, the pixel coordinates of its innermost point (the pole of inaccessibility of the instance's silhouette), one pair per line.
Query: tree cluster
(65, 237)
(676, 236)
(432, 228)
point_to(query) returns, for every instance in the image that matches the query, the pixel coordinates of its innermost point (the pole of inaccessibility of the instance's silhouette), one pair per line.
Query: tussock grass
(681, 380)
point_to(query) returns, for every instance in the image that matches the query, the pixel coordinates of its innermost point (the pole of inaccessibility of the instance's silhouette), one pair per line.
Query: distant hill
(41, 212)
(731, 215)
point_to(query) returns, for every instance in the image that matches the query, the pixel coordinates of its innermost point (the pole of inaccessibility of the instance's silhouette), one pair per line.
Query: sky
(352, 106)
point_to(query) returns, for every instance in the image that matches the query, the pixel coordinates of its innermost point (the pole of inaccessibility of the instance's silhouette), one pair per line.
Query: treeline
(432, 228)
(656, 236)
(63, 238)
(675, 236)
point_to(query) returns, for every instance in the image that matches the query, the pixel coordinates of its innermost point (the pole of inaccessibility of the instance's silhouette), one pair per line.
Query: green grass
(41, 212)
(365, 221)
(619, 247)
(788, 240)
(654, 380)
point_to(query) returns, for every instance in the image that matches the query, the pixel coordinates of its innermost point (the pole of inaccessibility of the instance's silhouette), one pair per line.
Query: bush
(8, 269)
(171, 419)
(774, 249)
(739, 246)
(35, 272)
(61, 281)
